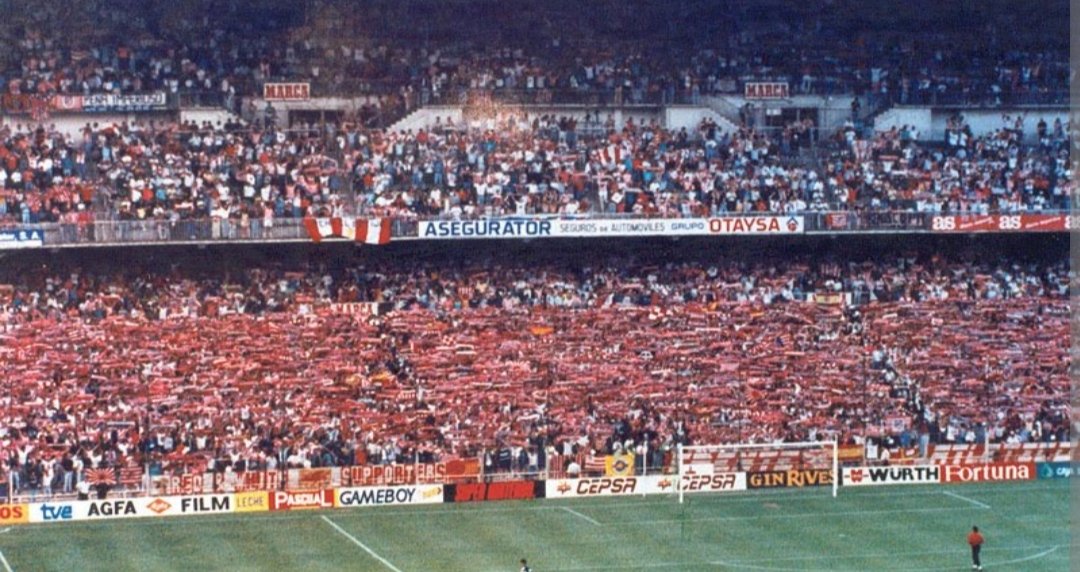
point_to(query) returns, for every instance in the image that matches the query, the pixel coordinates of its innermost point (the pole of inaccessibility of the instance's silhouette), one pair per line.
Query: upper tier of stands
(506, 163)
(422, 51)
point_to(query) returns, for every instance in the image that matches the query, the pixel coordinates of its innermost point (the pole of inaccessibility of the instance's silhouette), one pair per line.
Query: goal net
(718, 468)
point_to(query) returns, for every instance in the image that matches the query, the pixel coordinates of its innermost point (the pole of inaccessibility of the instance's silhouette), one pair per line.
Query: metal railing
(208, 231)
(594, 97)
(978, 98)
(170, 232)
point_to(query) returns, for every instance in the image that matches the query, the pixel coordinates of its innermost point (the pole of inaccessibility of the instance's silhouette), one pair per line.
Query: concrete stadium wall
(673, 117)
(200, 116)
(689, 117)
(931, 122)
(72, 123)
(919, 117)
(428, 117)
(832, 111)
(984, 122)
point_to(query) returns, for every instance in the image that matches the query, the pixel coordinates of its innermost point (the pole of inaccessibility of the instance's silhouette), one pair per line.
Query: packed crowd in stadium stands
(511, 163)
(274, 366)
(818, 47)
(271, 367)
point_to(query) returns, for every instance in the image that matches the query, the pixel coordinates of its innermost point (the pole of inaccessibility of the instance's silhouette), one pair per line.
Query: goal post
(716, 468)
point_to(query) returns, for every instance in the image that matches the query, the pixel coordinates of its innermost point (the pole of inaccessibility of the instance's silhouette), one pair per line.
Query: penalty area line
(785, 516)
(748, 566)
(345, 533)
(965, 499)
(4, 561)
(582, 516)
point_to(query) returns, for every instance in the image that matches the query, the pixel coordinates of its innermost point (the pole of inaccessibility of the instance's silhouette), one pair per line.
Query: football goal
(718, 468)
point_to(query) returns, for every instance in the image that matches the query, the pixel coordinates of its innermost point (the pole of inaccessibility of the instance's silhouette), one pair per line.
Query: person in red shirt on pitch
(975, 540)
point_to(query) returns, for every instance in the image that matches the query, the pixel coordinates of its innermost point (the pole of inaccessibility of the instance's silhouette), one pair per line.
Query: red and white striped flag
(611, 156)
(131, 475)
(319, 228)
(373, 231)
(347, 226)
(336, 227)
(367, 231)
(594, 463)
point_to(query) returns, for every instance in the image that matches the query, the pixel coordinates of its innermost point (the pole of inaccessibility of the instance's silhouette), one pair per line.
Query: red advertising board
(838, 220)
(1038, 223)
(989, 472)
(1002, 223)
(67, 102)
(301, 500)
(506, 490)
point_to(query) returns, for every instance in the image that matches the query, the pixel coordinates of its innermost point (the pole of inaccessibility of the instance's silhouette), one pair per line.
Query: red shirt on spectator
(975, 538)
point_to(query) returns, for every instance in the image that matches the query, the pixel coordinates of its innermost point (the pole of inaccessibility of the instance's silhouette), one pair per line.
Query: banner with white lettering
(1004, 223)
(23, 238)
(354, 309)
(575, 228)
(107, 102)
(193, 484)
(989, 472)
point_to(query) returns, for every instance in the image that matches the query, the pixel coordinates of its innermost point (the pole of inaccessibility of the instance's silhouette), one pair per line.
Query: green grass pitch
(906, 528)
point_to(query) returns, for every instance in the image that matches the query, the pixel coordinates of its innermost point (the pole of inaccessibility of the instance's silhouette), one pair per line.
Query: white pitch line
(5, 531)
(802, 569)
(1026, 559)
(358, 543)
(782, 516)
(965, 499)
(5, 563)
(579, 515)
(989, 549)
(646, 566)
(748, 564)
